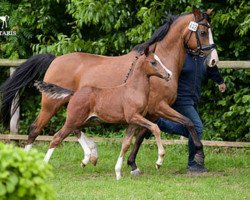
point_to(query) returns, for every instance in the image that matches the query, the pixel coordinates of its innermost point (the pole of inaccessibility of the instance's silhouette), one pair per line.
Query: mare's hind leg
(48, 110)
(131, 159)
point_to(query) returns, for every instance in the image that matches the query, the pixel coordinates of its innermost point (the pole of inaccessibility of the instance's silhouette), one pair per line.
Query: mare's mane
(158, 35)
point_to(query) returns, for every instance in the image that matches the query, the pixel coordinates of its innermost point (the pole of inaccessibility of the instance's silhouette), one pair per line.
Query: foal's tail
(26, 73)
(53, 91)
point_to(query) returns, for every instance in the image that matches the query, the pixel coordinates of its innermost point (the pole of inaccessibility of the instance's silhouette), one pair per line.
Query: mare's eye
(153, 63)
(203, 33)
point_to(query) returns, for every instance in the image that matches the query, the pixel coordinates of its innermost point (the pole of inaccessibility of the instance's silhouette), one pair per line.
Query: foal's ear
(149, 50)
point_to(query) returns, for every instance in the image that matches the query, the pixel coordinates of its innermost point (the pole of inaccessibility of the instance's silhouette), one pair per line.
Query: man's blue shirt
(190, 80)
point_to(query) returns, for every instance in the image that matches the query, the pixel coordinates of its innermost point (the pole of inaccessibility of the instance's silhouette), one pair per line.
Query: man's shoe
(196, 169)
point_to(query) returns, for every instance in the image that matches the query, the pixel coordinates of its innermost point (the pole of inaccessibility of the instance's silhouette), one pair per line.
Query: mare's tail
(26, 73)
(53, 91)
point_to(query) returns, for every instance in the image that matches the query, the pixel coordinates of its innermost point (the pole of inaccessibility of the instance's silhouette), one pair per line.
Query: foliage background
(113, 27)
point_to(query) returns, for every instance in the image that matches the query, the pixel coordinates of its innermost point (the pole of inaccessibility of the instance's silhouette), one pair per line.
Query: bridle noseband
(193, 26)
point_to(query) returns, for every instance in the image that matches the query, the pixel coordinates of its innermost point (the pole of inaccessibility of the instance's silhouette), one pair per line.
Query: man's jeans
(189, 111)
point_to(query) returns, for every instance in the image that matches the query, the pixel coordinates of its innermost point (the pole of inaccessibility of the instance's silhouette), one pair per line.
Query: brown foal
(126, 104)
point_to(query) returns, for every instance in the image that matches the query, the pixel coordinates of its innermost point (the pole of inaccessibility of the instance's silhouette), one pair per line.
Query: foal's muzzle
(168, 77)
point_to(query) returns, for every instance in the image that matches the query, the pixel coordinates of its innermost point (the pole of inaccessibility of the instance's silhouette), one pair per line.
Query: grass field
(228, 176)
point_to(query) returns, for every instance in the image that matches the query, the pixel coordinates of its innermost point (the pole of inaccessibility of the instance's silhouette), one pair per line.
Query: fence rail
(9, 137)
(221, 64)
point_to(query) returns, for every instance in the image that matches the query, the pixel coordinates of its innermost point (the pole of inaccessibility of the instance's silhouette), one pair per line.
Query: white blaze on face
(163, 66)
(213, 57)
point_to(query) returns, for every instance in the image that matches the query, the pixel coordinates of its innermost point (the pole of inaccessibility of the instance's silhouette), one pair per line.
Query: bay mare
(128, 105)
(76, 70)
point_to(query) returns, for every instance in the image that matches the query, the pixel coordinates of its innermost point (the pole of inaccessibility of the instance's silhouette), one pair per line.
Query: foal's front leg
(125, 145)
(140, 120)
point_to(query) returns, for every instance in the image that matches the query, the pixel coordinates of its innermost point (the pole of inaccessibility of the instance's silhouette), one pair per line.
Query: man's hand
(222, 87)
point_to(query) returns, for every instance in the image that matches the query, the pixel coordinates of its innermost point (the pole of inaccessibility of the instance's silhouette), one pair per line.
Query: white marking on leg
(163, 66)
(48, 155)
(118, 168)
(91, 144)
(159, 160)
(86, 149)
(27, 147)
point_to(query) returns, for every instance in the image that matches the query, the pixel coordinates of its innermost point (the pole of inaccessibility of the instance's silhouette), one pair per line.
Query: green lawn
(228, 176)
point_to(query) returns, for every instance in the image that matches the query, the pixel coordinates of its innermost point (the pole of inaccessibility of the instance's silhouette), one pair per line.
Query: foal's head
(153, 66)
(198, 37)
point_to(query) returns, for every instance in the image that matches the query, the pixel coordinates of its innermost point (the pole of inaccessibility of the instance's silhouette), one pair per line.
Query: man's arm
(214, 74)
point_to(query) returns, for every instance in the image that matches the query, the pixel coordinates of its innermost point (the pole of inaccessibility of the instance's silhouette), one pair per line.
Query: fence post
(14, 122)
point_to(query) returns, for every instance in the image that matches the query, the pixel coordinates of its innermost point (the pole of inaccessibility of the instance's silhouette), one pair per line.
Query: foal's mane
(132, 67)
(159, 34)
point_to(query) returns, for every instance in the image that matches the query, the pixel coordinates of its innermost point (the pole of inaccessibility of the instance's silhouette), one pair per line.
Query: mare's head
(153, 66)
(198, 38)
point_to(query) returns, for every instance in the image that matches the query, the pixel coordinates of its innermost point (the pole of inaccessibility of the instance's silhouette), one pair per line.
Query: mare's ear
(146, 51)
(197, 14)
(209, 12)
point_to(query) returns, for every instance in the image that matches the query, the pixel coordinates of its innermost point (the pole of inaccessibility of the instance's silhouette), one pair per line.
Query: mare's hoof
(82, 165)
(93, 160)
(136, 172)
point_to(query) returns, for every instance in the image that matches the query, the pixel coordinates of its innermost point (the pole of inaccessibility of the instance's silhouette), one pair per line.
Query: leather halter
(200, 49)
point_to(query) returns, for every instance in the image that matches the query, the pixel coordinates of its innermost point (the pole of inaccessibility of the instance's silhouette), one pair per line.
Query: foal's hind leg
(57, 139)
(87, 145)
(48, 110)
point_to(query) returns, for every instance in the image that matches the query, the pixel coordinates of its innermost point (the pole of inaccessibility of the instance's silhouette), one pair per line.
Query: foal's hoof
(93, 160)
(118, 177)
(157, 166)
(82, 165)
(136, 172)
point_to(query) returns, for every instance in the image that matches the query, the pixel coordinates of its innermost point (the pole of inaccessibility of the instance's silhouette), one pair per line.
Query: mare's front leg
(140, 120)
(166, 112)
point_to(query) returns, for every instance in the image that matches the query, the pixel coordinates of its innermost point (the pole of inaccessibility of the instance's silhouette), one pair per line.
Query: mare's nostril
(213, 61)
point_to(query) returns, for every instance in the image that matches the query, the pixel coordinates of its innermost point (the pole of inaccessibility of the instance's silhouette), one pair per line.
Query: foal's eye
(203, 33)
(153, 63)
